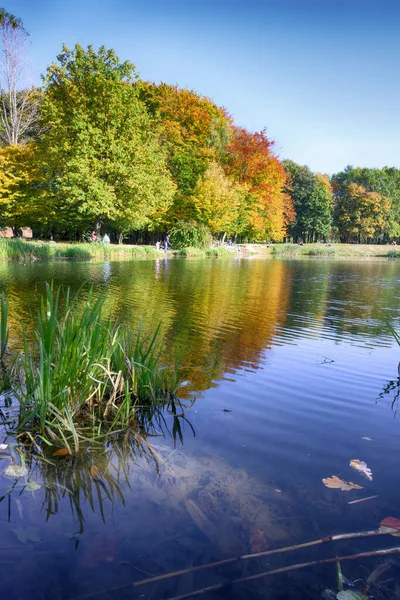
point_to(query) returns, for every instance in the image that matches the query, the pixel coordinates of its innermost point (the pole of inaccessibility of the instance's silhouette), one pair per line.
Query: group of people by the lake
(106, 240)
(166, 246)
(95, 238)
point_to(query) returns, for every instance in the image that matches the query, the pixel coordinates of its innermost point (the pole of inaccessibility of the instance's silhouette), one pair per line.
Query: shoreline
(21, 249)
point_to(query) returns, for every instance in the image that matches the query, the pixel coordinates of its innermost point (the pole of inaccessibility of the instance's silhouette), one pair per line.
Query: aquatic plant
(80, 373)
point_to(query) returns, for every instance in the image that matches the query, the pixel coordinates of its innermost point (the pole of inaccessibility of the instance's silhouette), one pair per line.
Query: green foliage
(190, 234)
(100, 155)
(77, 365)
(313, 203)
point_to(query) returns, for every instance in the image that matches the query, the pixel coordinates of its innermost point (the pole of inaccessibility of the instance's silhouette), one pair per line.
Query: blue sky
(322, 76)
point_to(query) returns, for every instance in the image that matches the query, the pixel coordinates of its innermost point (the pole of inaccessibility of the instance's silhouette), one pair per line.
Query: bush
(187, 234)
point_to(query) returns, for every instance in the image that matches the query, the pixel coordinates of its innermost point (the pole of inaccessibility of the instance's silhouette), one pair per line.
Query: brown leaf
(345, 486)
(391, 523)
(62, 452)
(94, 471)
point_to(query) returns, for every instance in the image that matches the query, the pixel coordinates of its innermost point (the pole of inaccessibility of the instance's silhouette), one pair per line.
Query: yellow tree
(216, 201)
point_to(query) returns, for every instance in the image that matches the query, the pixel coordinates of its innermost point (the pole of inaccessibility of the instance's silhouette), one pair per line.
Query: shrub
(187, 234)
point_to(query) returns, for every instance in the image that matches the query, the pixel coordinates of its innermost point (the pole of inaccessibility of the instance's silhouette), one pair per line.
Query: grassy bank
(190, 252)
(18, 249)
(335, 250)
(81, 374)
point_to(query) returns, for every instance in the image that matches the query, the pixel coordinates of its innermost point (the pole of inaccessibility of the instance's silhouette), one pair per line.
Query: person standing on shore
(106, 239)
(166, 242)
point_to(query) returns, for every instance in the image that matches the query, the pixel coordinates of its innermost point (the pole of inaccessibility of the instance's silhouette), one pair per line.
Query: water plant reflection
(99, 472)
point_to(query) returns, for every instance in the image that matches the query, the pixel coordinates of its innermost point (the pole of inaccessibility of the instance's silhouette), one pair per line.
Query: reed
(80, 370)
(218, 252)
(189, 252)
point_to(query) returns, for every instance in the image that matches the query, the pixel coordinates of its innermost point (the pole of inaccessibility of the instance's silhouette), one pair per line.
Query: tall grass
(219, 251)
(81, 370)
(190, 251)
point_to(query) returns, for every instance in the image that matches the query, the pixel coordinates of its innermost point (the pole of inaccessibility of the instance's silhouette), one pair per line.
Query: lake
(290, 373)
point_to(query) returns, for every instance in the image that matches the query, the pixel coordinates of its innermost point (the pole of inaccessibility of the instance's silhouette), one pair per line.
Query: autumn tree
(312, 200)
(216, 202)
(359, 214)
(251, 161)
(194, 132)
(100, 154)
(385, 182)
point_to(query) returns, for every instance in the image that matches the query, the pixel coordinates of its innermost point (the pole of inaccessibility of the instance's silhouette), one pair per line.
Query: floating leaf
(62, 452)
(362, 467)
(391, 523)
(350, 595)
(27, 534)
(345, 486)
(94, 471)
(3, 446)
(32, 486)
(15, 471)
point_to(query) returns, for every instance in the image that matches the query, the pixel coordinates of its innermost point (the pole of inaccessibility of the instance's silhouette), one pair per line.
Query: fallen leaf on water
(62, 452)
(361, 466)
(3, 446)
(94, 471)
(345, 486)
(258, 543)
(391, 523)
(15, 471)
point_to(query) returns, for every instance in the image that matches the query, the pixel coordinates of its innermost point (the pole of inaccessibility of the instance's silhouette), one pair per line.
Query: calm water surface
(285, 367)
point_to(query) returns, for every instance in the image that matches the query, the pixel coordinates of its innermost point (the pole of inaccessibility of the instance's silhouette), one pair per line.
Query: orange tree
(251, 161)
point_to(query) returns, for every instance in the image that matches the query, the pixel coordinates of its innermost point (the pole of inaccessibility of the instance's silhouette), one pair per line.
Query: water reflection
(98, 473)
(286, 360)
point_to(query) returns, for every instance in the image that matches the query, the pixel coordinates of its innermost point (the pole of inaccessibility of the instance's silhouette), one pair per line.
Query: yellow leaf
(345, 486)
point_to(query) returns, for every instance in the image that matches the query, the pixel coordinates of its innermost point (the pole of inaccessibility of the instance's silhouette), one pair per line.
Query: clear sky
(322, 76)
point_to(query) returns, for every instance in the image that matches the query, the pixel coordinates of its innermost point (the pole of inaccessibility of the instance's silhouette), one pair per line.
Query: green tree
(100, 154)
(313, 203)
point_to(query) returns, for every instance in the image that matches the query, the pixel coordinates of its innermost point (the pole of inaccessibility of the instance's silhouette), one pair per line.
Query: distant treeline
(96, 148)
